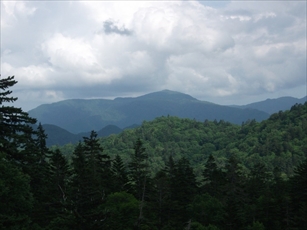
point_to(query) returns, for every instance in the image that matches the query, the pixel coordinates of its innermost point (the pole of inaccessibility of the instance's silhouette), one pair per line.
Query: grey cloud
(195, 50)
(110, 27)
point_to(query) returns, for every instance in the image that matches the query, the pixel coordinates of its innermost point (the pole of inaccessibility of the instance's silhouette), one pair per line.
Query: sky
(225, 52)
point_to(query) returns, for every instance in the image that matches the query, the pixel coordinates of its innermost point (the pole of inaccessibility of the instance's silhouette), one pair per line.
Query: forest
(169, 173)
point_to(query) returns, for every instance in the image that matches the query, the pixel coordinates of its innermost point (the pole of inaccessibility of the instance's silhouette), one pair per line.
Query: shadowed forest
(169, 173)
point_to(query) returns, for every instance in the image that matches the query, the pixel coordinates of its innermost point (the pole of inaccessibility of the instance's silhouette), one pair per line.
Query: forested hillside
(167, 174)
(280, 141)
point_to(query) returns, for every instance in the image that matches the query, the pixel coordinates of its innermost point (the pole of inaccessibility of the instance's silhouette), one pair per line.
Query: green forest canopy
(280, 141)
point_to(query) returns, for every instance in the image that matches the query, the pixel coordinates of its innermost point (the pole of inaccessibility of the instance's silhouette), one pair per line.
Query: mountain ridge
(82, 115)
(273, 105)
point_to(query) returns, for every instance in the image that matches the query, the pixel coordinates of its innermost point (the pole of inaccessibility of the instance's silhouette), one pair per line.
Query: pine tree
(160, 201)
(98, 164)
(59, 177)
(90, 181)
(39, 170)
(15, 125)
(139, 175)
(235, 195)
(298, 190)
(213, 178)
(16, 137)
(15, 196)
(183, 189)
(258, 192)
(119, 175)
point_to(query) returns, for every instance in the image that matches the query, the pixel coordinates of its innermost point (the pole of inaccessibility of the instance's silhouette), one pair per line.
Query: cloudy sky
(233, 52)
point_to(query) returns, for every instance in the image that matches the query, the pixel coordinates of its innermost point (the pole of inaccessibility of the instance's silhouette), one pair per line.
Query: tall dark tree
(39, 170)
(78, 187)
(16, 136)
(98, 163)
(122, 209)
(259, 195)
(58, 191)
(15, 125)
(15, 196)
(213, 178)
(139, 175)
(298, 185)
(235, 193)
(160, 199)
(183, 189)
(91, 175)
(120, 175)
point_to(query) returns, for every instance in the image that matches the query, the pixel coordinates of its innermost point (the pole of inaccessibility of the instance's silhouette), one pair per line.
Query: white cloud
(241, 48)
(13, 11)
(70, 54)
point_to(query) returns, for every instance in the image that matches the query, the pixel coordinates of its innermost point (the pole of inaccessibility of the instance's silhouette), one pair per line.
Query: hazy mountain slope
(85, 115)
(275, 105)
(108, 130)
(59, 136)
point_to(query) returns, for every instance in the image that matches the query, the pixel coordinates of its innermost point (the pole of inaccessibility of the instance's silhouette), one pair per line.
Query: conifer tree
(139, 176)
(16, 199)
(15, 125)
(213, 178)
(91, 175)
(298, 190)
(235, 194)
(59, 176)
(119, 175)
(39, 170)
(183, 189)
(160, 200)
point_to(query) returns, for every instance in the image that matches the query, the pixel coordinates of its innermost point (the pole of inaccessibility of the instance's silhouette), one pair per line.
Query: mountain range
(69, 120)
(271, 106)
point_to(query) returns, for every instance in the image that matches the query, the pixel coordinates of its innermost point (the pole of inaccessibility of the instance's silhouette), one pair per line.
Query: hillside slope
(58, 136)
(278, 142)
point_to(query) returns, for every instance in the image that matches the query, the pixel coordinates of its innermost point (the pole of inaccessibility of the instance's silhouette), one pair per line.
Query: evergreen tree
(15, 196)
(122, 209)
(213, 178)
(298, 190)
(91, 179)
(183, 189)
(206, 210)
(15, 125)
(39, 170)
(78, 186)
(58, 190)
(119, 174)
(139, 175)
(235, 196)
(160, 200)
(98, 164)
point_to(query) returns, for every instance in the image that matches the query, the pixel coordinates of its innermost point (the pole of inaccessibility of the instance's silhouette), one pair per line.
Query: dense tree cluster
(239, 185)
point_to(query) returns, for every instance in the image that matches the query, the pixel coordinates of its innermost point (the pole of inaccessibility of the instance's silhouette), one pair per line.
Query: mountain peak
(168, 95)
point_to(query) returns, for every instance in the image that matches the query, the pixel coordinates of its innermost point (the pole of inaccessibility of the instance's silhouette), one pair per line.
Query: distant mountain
(59, 136)
(78, 115)
(108, 130)
(271, 106)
